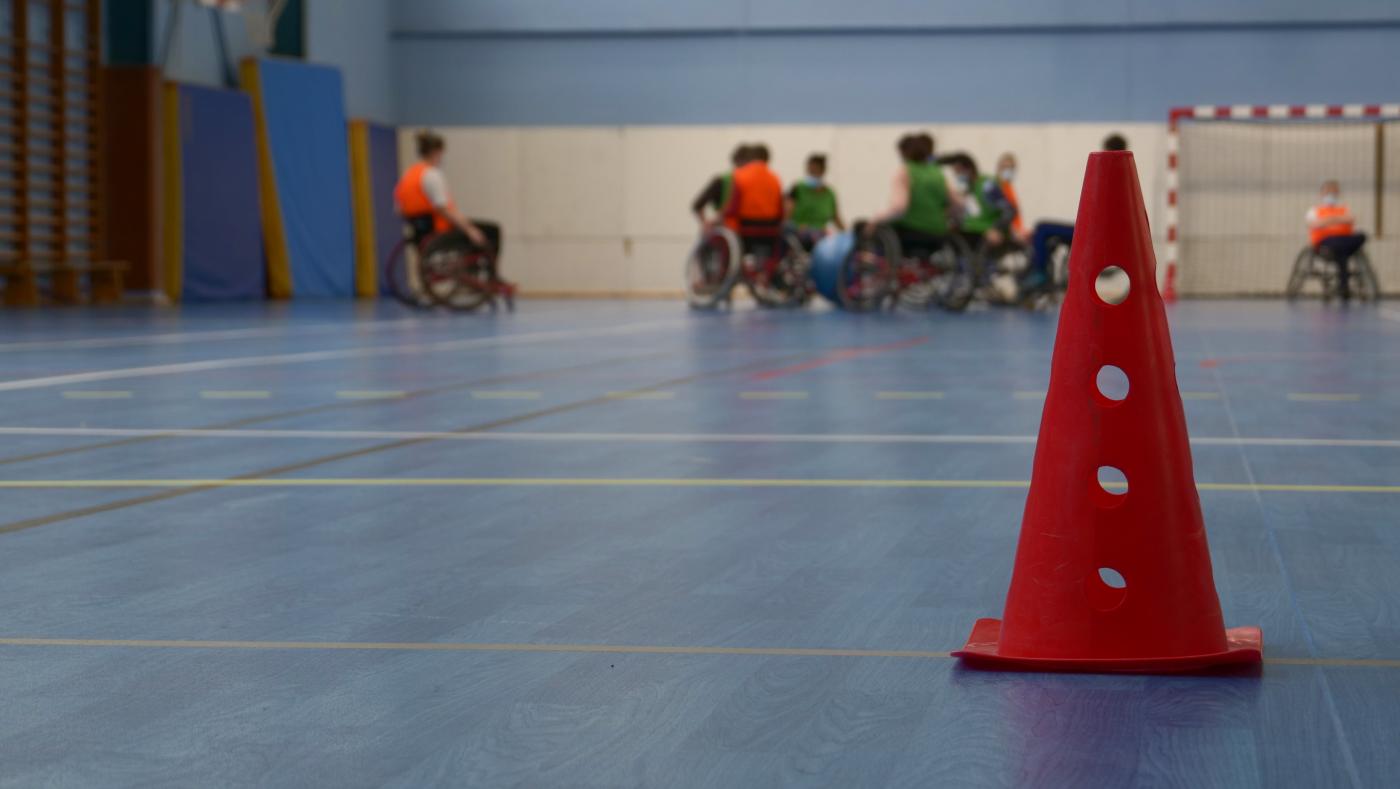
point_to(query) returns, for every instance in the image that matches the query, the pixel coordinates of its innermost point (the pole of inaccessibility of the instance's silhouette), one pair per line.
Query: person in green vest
(811, 204)
(715, 196)
(922, 205)
(987, 214)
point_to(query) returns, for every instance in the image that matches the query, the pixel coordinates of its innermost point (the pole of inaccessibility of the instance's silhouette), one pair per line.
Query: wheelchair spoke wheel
(781, 280)
(455, 274)
(866, 275)
(712, 269)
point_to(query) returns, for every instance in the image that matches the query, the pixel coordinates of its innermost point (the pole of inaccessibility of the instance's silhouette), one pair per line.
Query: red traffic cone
(1121, 580)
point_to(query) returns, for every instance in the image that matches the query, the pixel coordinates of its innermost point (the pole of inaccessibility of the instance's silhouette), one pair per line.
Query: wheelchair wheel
(999, 273)
(867, 274)
(403, 274)
(953, 271)
(712, 268)
(455, 273)
(1365, 286)
(1298, 277)
(782, 279)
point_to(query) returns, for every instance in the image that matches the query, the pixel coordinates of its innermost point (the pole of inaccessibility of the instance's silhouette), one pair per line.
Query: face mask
(1009, 174)
(1329, 199)
(813, 181)
(962, 182)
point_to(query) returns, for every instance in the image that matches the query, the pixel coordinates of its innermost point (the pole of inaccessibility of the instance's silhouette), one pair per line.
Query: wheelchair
(775, 269)
(445, 270)
(1052, 291)
(1318, 263)
(999, 271)
(881, 269)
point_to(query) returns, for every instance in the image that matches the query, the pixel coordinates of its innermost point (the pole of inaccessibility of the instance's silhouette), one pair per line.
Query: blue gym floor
(625, 545)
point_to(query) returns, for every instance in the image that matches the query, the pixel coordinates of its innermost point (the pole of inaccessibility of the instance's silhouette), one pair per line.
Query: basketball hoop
(259, 17)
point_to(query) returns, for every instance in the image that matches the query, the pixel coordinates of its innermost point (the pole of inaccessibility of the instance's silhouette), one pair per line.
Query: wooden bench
(21, 288)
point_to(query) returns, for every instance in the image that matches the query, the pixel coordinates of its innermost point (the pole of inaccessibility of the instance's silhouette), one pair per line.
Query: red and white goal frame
(1226, 112)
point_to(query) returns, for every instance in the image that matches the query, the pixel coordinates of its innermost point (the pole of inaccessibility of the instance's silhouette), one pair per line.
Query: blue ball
(827, 258)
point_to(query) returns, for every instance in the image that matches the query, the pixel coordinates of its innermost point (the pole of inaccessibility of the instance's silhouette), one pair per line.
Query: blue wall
(674, 61)
(353, 35)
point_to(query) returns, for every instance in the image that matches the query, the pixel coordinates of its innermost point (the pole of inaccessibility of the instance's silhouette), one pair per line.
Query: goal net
(1241, 180)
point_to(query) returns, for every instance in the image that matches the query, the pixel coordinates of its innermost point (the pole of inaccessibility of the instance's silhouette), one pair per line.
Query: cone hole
(1112, 382)
(1107, 589)
(1113, 481)
(1112, 285)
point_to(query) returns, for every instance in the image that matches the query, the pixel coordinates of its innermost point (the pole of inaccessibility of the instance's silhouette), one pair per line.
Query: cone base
(1244, 646)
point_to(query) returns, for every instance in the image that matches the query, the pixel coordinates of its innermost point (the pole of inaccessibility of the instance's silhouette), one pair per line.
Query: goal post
(1241, 178)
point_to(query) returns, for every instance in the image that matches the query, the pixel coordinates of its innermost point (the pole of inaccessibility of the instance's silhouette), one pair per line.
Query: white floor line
(704, 438)
(213, 335)
(319, 356)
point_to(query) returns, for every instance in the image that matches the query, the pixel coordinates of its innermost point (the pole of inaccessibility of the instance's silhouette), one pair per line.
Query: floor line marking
(641, 395)
(908, 395)
(96, 394)
(839, 355)
(371, 394)
(735, 438)
(501, 394)
(637, 649)
(1342, 397)
(772, 395)
(176, 338)
(343, 353)
(632, 482)
(235, 394)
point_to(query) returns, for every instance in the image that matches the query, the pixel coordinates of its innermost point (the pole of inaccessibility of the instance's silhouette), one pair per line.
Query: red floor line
(839, 355)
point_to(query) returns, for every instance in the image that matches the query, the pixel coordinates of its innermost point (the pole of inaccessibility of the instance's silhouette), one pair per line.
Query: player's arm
(836, 214)
(710, 195)
(435, 187)
(899, 202)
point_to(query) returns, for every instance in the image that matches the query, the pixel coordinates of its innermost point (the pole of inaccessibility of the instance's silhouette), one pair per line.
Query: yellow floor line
(96, 394)
(1323, 397)
(908, 395)
(357, 394)
(635, 649)
(504, 395)
(632, 482)
(235, 394)
(773, 395)
(642, 395)
(1026, 394)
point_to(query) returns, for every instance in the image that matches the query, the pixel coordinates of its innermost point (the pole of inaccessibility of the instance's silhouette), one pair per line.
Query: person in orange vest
(1006, 177)
(1332, 231)
(426, 205)
(756, 207)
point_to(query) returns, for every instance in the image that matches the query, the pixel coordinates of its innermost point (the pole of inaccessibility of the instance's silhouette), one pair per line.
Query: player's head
(1006, 166)
(1115, 142)
(430, 146)
(742, 155)
(925, 141)
(914, 147)
(963, 165)
(1331, 192)
(760, 152)
(816, 165)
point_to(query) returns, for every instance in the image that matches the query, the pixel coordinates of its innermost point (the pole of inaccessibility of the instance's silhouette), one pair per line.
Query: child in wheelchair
(1332, 234)
(429, 212)
(811, 204)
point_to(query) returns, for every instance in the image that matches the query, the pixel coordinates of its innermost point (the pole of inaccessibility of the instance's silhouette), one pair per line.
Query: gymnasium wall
(605, 210)
(556, 62)
(351, 35)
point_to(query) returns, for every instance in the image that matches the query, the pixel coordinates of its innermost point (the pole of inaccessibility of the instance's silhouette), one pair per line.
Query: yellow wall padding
(362, 201)
(279, 266)
(172, 194)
